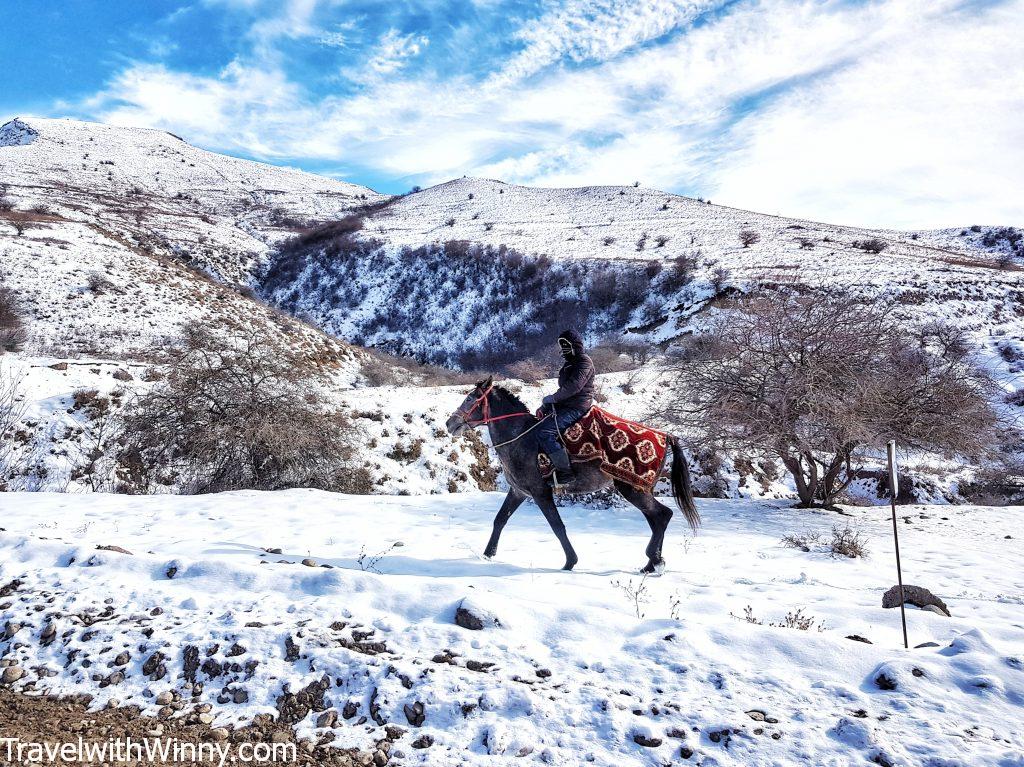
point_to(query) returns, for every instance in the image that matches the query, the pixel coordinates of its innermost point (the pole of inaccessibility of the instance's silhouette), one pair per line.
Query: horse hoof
(568, 565)
(655, 570)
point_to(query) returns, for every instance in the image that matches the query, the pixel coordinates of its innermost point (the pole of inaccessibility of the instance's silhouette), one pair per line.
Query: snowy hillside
(335, 615)
(672, 256)
(156, 191)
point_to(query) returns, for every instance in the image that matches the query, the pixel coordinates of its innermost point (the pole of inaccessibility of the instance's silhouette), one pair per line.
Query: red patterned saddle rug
(628, 451)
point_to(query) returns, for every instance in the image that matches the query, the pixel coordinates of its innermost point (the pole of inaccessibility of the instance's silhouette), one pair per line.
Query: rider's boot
(563, 473)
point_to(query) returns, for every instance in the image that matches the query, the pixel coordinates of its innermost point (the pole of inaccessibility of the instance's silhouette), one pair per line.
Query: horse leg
(546, 502)
(512, 502)
(657, 514)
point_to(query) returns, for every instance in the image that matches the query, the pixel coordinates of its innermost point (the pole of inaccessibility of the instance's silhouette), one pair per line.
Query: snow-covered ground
(577, 676)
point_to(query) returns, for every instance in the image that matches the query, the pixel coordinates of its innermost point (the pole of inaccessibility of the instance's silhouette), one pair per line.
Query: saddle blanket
(628, 451)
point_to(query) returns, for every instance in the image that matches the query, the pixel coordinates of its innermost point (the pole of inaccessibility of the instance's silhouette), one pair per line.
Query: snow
(696, 668)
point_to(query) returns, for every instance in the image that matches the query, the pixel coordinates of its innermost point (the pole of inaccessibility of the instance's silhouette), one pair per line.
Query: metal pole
(893, 487)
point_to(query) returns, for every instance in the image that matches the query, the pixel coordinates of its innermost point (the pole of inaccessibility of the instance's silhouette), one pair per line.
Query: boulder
(472, 616)
(914, 595)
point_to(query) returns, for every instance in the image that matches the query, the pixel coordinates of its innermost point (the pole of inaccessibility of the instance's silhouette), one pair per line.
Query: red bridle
(486, 411)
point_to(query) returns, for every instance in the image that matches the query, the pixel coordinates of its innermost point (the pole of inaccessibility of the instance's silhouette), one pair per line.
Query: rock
(123, 375)
(544, 673)
(59, 366)
(152, 663)
(350, 710)
(471, 616)
(309, 562)
(165, 698)
(273, 551)
(926, 644)
(647, 742)
(117, 549)
(480, 666)
(172, 571)
(914, 595)
(393, 732)
(685, 752)
(935, 609)
(219, 734)
(280, 736)
(48, 634)
(757, 716)
(11, 628)
(205, 718)
(240, 696)
(116, 678)
(423, 741)
(291, 649)
(328, 718)
(12, 674)
(122, 658)
(676, 732)
(859, 638)
(235, 650)
(190, 663)
(415, 713)
(156, 731)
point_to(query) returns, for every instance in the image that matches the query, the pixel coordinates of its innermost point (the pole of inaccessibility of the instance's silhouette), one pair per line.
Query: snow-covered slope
(302, 605)
(155, 190)
(973, 277)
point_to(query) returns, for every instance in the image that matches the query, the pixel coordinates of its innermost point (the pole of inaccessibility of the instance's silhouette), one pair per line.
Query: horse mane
(509, 398)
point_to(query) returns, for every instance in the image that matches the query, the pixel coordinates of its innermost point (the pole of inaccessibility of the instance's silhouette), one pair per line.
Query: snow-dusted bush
(749, 237)
(871, 245)
(235, 413)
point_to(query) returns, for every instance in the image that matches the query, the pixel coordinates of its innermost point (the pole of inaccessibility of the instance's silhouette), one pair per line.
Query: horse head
(470, 412)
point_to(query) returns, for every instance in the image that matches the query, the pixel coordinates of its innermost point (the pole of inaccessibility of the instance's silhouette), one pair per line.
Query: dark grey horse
(512, 434)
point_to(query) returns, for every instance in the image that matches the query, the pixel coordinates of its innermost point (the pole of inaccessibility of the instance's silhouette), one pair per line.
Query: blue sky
(903, 113)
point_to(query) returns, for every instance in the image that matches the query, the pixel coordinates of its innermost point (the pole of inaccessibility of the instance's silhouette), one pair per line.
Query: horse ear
(488, 383)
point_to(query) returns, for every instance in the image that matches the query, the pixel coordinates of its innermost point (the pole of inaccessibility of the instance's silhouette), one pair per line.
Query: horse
(511, 426)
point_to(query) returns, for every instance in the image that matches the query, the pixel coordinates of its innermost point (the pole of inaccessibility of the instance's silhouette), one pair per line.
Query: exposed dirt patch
(57, 721)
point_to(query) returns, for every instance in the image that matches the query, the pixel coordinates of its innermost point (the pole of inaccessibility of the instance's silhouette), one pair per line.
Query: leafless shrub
(368, 562)
(6, 204)
(12, 409)
(531, 371)
(719, 279)
(802, 541)
(806, 243)
(450, 222)
(871, 245)
(99, 283)
(607, 240)
(819, 383)
(637, 594)
(847, 542)
(12, 327)
(662, 239)
(749, 237)
(235, 413)
(793, 620)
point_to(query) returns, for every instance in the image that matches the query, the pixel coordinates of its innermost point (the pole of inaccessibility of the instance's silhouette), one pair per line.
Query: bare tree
(232, 413)
(748, 237)
(820, 382)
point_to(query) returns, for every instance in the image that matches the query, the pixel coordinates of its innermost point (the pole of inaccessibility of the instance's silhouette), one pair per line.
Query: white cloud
(896, 112)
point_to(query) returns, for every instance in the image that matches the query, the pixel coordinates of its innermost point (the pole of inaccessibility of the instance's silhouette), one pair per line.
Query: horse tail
(682, 491)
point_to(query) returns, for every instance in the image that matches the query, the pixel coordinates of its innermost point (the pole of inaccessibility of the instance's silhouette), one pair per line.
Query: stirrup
(566, 478)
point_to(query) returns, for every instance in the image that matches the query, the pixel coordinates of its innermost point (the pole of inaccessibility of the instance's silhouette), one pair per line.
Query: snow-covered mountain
(221, 213)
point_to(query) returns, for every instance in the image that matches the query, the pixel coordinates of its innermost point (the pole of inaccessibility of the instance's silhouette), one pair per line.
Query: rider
(575, 396)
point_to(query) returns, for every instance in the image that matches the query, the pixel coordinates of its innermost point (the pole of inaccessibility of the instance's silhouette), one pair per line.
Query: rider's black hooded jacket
(575, 379)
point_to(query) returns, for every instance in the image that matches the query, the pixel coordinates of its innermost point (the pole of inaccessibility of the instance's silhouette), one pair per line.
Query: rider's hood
(573, 338)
